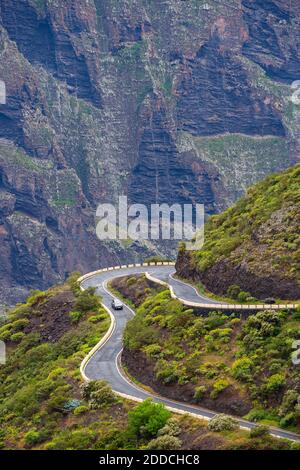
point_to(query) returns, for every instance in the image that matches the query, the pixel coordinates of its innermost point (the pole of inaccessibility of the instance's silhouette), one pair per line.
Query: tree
(165, 442)
(147, 418)
(98, 393)
(275, 383)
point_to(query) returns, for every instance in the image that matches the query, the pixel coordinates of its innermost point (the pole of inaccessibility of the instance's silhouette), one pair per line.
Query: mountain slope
(228, 362)
(44, 404)
(255, 244)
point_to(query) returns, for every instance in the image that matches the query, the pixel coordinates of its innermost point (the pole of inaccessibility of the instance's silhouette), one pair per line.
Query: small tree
(98, 393)
(242, 368)
(222, 422)
(260, 431)
(87, 300)
(165, 442)
(233, 291)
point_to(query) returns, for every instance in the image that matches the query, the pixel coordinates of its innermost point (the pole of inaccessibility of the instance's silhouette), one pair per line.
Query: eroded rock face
(48, 37)
(112, 98)
(253, 245)
(225, 273)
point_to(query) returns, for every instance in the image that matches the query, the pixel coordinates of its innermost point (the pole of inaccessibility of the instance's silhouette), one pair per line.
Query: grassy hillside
(240, 366)
(255, 244)
(45, 405)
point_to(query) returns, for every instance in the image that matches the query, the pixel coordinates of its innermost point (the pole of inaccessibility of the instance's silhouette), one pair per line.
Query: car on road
(116, 304)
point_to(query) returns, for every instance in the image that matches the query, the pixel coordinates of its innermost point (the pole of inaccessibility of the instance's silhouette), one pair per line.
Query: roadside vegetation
(44, 403)
(239, 366)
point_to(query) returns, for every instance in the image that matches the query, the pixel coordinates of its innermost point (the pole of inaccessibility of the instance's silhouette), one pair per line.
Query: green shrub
(97, 318)
(98, 393)
(20, 324)
(257, 415)
(242, 296)
(72, 281)
(166, 371)
(17, 337)
(80, 439)
(289, 401)
(295, 445)
(171, 428)
(35, 296)
(219, 386)
(76, 316)
(288, 420)
(138, 334)
(32, 438)
(130, 281)
(153, 350)
(87, 300)
(102, 397)
(233, 291)
(274, 383)
(57, 402)
(242, 368)
(80, 410)
(199, 392)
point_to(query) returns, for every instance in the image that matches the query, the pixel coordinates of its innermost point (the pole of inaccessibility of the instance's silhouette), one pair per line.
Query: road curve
(103, 362)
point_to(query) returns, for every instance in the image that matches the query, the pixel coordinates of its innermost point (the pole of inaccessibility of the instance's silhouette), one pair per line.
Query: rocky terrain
(254, 245)
(165, 101)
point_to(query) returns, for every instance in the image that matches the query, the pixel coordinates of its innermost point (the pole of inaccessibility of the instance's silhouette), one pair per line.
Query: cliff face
(255, 244)
(165, 101)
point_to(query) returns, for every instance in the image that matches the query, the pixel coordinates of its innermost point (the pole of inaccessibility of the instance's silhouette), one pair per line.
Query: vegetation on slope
(255, 243)
(241, 366)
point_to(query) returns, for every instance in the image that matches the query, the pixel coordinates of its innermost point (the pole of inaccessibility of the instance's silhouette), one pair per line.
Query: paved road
(104, 364)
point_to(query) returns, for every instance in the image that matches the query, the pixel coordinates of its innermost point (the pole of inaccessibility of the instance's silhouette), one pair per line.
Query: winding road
(103, 362)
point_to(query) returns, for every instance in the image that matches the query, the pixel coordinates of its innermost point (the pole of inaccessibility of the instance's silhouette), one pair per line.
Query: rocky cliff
(255, 244)
(166, 101)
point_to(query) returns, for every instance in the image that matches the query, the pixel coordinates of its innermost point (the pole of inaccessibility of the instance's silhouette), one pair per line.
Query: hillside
(239, 365)
(148, 99)
(255, 244)
(44, 404)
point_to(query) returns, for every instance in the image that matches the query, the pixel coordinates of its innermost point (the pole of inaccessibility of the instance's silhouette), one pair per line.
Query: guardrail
(188, 303)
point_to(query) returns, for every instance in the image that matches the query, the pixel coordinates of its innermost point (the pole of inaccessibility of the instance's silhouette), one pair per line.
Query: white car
(116, 304)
